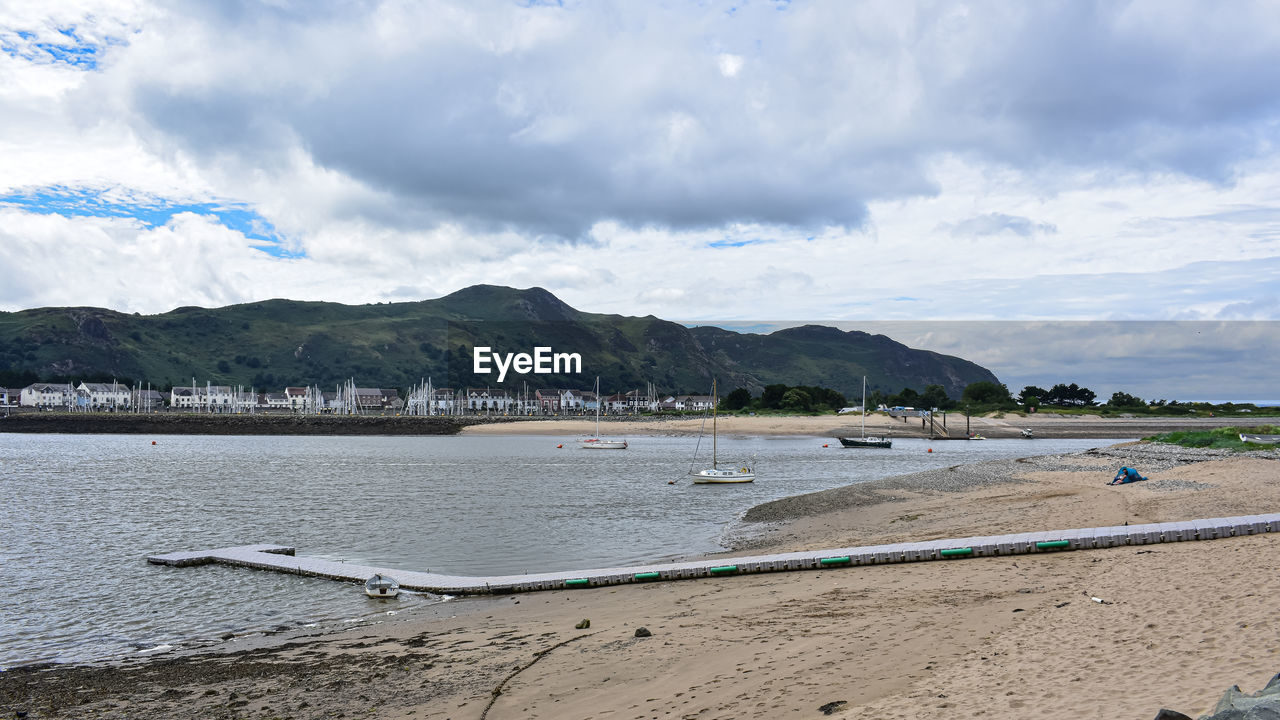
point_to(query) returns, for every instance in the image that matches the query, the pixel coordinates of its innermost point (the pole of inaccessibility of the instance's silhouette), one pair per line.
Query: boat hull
(866, 442)
(381, 587)
(715, 477)
(594, 444)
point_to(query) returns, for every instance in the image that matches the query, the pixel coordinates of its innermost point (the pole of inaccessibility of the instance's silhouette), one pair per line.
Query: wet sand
(990, 637)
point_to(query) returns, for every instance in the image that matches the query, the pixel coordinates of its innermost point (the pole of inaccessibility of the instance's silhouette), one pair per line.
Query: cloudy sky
(782, 161)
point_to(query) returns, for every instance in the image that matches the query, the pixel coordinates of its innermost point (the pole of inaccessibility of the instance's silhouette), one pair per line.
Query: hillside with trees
(275, 343)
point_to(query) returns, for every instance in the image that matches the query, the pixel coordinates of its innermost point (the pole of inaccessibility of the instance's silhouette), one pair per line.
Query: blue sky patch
(68, 49)
(726, 243)
(148, 210)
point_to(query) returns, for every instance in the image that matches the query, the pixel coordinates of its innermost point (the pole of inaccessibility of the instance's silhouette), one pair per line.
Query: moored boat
(714, 474)
(381, 586)
(865, 440)
(596, 442)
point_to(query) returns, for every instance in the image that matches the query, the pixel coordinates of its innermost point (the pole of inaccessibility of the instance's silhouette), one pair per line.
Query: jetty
(282, 558)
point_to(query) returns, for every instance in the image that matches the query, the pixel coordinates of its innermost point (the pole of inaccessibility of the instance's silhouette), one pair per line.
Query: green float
(1053, 544)
(724, 570)
(642, 577)
(956, 552)
(835, 560)
(578, 582)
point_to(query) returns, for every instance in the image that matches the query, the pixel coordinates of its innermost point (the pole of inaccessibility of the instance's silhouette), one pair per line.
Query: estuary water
(79, 514)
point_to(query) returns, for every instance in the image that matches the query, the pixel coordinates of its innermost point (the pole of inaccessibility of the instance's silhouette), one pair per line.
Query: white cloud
(869, 160)
(730, 65)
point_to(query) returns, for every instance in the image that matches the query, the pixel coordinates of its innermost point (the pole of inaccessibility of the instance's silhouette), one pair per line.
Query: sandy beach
(995, 637)
(1003, 425)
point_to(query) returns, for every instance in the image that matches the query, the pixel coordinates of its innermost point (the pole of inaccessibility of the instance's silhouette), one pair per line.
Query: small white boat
(719, 475)
(1028, 433)
(381, 586)
(714, 474)
(596, 442)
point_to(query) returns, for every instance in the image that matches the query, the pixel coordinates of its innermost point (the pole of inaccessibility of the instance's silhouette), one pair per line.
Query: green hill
(275, 343)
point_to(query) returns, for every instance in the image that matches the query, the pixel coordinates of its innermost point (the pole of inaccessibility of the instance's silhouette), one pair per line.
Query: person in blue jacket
(1126, 475)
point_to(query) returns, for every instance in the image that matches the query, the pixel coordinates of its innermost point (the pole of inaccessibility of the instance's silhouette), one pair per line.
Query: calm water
(80, 512)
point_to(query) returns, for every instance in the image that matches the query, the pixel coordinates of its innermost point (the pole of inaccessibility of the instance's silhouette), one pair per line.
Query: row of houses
(114, 397)
(557, 401)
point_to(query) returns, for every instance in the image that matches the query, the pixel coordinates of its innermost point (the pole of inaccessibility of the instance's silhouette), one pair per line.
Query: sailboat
(595, 442)
(715, 474)
(866, 440)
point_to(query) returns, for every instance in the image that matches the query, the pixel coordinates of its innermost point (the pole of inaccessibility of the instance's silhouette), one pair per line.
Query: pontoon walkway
(282, 559)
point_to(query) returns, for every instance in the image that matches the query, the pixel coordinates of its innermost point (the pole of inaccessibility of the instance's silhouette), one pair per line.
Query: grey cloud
(619, 112)
(1173, 360)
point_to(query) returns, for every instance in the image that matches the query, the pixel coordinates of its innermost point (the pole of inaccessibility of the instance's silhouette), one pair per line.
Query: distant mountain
(275, 343)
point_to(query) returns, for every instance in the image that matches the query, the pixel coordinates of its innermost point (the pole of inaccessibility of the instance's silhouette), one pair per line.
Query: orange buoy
(930, 449)
(560, 445)
(153, 442)
(824, 445)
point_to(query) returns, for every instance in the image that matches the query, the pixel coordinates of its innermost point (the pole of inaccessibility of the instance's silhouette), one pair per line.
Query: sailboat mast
(713, 424)
(864, 406)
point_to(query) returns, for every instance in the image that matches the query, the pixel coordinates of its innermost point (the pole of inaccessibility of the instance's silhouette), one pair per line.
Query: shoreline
(1010, 425)
(886, 640)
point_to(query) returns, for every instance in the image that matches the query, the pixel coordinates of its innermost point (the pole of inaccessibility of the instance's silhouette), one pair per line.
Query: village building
(488, 400)
(48, 396)
(548, 400)
(103, 396)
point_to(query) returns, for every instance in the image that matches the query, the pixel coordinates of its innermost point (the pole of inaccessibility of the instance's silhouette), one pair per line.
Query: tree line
(984, 394)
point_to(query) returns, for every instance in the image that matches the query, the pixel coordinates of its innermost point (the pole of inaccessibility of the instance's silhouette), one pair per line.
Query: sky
(852, 162)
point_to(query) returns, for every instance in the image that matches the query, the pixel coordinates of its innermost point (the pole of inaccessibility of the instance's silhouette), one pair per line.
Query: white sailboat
(715, 474)
(866, 440)
(596, 442)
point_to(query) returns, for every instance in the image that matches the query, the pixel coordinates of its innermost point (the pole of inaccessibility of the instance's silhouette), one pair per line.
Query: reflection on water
(81, 512)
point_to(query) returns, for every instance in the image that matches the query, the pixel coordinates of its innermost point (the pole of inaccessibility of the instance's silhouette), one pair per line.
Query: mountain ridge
(273, 343)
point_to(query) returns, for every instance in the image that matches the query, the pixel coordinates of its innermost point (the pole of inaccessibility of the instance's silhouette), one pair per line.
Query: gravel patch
(1172, 485)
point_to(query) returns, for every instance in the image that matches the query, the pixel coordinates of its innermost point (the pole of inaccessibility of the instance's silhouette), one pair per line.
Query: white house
(488, 399)
(47, 395)
(571, 400)
(104, 396)
(297, 397)
(210, 398)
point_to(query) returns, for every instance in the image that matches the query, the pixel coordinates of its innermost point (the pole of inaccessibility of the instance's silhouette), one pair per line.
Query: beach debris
(1236, 705)
(833, 707)
(1125, 475)
(643, 632)
(586, 623)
